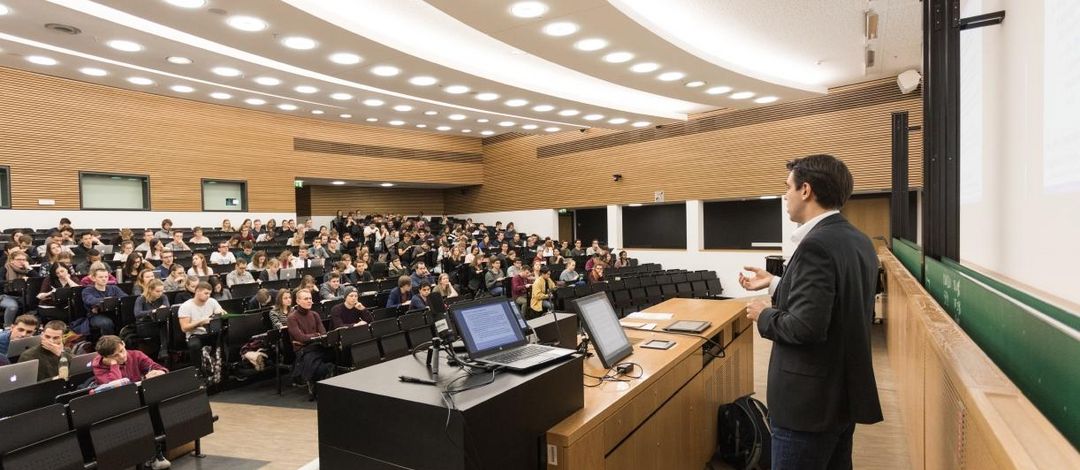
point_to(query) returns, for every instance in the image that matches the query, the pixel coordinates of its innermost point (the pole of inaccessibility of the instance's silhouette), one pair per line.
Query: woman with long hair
(258, 261)
(59, 277)
(142, 281)
(445, 288)
(279, 313)
(177, 278)
(135, 264)
(272, 271)
(199, 266)
(226, 226)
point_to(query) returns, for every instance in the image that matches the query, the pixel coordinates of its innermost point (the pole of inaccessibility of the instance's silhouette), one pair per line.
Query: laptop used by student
(492, 335)
(285, 274)
(18, 375)
(81, 364)
(19, 346)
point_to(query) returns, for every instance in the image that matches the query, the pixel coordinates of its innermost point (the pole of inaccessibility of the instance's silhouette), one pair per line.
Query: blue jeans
(828, 450)
(104, 324)
(496, 291)
(11, 308)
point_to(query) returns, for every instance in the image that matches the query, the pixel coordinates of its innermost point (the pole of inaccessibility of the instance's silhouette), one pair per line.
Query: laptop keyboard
(514, 355)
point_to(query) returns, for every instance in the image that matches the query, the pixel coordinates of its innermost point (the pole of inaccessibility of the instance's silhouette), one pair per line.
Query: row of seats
(632, 294)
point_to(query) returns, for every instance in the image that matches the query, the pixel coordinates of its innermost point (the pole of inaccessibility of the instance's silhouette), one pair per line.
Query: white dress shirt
(797, 237)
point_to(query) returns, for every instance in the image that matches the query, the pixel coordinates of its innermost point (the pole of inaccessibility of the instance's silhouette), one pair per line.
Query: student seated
(49, 352)
(361, 274)
(596, 274)
(240, 275)
(25, 326)
(313, 361)
(421, 276)
(401, 294)
(191, 284)
(17, 268)
(198, 238)
(147, 243)
(177, 243)
(263, 298)
(195, 315)
(165, 268)
(177, 278)
(331, 289)
(519, 286)
(445, 288)
(83, 268)
(114, 362)
(351, 311)
(570, 276)
(279, 313)
(59, 278)
(493, 278)
(421, 299)
(542, 289)
(222, 255)
(96, 293)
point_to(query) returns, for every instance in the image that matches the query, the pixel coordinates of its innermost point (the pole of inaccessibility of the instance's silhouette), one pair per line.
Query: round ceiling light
(421, 126)
(267, 81)
(317, 111)
(529, 127)
(338, 183)
(617, 121)
(225, 71)
(456, 89)
(487, 96)
(644, 67)
(372, 119)
(246, 23)
(306, 89)
(396, 122)
(456, 117)
(591, 44)
(529, 9)
(543, 108)
(569, 112)
(287, 107)
(178, 60)
(181, 88)
(718, 90)
(742, 95)
(430, 113)
(404, 108)
(671, 76)
(345, 116)
(218, 95)
(143, 81)
(560, 28)
(423, 80)
(593, 117)
(299, 43)
(345, 58)
(341, 96)
(552, 129)
(187, 3)
(618, 57)
(373, 102)
(386, 185)
(483, 120)
(641, 124)
(507, 123)
(516, 103)
(124, 45)
(255, 101)
(694, 84)
(93, 72)
(443, 128)
(385, 70)
(487, 132)
(766, 99)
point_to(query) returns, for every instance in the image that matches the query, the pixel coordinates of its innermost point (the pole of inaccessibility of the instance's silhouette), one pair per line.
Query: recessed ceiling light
(423, 80)
(124, 45)
(140, 81)
(93, 72)
(219, 95)
(421, 126)
(339, 183)
(443, 128)
(670, 76)
(593, 117)
(591, 44)
(396, 122)
(569, 112)
(306, 89)
(516, 102)
(372, 119)
(528, 9)
(552, 129)
(187, 3)
(4, 10)
(456, 89)
(267, 81)
(644, 67)
(299, 43)
(617, 121)
(178, 60)
(487, 96)
(641, 123)
(430, 113)
(766, 99)
(618, 57)
(404, 108)
(466, 130)
(742, 95)
(246, 23)
(483, 120)
(225, 71)
(529, 126)
(385, 70)
(635, 204)
(345, 58)
(41, 60)
(506, 123)
(287, 107)
(718, 90)
(694, 84)
(341, 96)
(543, 108)
(560, 28)
(255, 101)
(487, 132)
(181, 89)
(345, 116)
(374, 103)
(456, 117)
(316, 111)
(386, 185)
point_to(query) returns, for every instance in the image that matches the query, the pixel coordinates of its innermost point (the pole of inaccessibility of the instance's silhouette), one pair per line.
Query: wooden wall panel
(53, 127)
(327, 200)
(744, 161)
(870, 215)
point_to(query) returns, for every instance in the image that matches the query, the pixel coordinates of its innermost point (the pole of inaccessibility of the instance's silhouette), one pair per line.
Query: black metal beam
(978, 21)
(941, 136)
(899, 225)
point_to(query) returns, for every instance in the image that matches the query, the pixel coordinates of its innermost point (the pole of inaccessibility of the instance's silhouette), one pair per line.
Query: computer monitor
(602, 325)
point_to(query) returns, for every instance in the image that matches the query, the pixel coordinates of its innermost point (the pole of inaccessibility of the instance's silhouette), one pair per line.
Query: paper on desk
(649, 316)
(638, 325)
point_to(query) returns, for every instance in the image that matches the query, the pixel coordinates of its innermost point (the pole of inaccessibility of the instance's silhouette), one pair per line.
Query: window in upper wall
(5, 187)
(221, 195)
(114, 192)
(742, 225)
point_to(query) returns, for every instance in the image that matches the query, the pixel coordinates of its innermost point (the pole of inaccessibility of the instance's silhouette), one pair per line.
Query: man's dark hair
(108, 344)
(544, 270)
(57, 325)
(92, 252)
(26, 319)
(827, 176)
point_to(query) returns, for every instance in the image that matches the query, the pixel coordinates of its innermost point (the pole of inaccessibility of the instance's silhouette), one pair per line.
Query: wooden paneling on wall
(327, 200)
(743, 161)
(51, 128)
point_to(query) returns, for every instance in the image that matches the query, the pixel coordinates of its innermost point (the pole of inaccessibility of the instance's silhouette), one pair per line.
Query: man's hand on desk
(760, 280)
(754, 308)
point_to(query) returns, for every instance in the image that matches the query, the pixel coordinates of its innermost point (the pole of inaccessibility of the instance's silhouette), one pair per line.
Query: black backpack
(744, 439)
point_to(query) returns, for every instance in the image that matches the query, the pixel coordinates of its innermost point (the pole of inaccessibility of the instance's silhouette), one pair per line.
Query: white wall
(1020, 197)
(128, 219)
(543, 222)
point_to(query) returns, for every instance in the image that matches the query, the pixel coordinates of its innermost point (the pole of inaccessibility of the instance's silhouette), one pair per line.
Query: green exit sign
(298, 184)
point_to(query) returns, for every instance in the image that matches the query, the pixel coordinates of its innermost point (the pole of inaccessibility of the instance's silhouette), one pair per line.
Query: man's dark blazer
(821, 376)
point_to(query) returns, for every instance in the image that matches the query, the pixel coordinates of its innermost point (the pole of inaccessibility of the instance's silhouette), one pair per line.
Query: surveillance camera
(582, 130)
(616, 177)
(659, 126)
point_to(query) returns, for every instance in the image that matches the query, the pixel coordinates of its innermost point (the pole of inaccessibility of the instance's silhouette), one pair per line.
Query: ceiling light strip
(134, 22)
(61, 50)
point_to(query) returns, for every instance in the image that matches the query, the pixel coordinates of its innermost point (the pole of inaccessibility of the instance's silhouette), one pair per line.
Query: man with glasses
(166, 265)
(222, 255)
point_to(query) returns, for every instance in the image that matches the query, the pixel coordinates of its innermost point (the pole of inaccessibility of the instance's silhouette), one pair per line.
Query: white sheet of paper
(649, 316)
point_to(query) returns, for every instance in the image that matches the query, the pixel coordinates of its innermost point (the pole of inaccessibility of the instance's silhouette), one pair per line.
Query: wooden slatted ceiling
(51, 128)
(731, 162)
(327, 200)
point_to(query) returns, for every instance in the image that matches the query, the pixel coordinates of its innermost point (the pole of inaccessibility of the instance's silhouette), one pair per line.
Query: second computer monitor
(603, 326)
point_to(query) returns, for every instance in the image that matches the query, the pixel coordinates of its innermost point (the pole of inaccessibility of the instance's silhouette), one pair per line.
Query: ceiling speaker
(908, 81)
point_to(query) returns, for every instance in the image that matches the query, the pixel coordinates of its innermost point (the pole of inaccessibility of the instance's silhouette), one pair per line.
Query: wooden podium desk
(667, 418)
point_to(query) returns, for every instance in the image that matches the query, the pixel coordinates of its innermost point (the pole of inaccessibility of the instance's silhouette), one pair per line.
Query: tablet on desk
(689, 326)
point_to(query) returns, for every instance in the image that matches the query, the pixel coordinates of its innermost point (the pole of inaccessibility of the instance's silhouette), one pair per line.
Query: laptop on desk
(286, 274)
(19, 346)
(81, 364)
(18, 375)
(492, 335)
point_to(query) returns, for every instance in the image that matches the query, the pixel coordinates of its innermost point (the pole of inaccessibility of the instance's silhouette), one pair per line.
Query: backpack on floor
(744, 439)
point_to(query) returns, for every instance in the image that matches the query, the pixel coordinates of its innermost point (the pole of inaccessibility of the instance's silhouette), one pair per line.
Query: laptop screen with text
(488, 326)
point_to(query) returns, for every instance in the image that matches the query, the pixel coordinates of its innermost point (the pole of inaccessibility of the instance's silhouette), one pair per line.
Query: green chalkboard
(1039, 353)
(1069, 318)
(910, 255)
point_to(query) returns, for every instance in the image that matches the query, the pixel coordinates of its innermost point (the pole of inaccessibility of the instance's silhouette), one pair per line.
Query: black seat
(699, 288)
(668, 290)
(416, 328)
(39, 440)
(243, 291)
(359, 348)
(392, 341)
(621, 298)
(684, 290)
(714, 287)
(179, 407)
(114, 428)
(234, 306)
(13, 402)
(654, 294)
(239, 329)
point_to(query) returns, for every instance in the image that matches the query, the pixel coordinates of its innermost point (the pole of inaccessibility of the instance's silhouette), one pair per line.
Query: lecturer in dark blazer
(821, 377)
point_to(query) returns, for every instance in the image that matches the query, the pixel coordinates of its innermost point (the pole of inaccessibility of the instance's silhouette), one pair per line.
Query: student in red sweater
(313, 360)
(115, 362)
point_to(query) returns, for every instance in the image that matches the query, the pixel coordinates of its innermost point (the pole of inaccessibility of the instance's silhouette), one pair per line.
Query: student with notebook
(94, 296)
